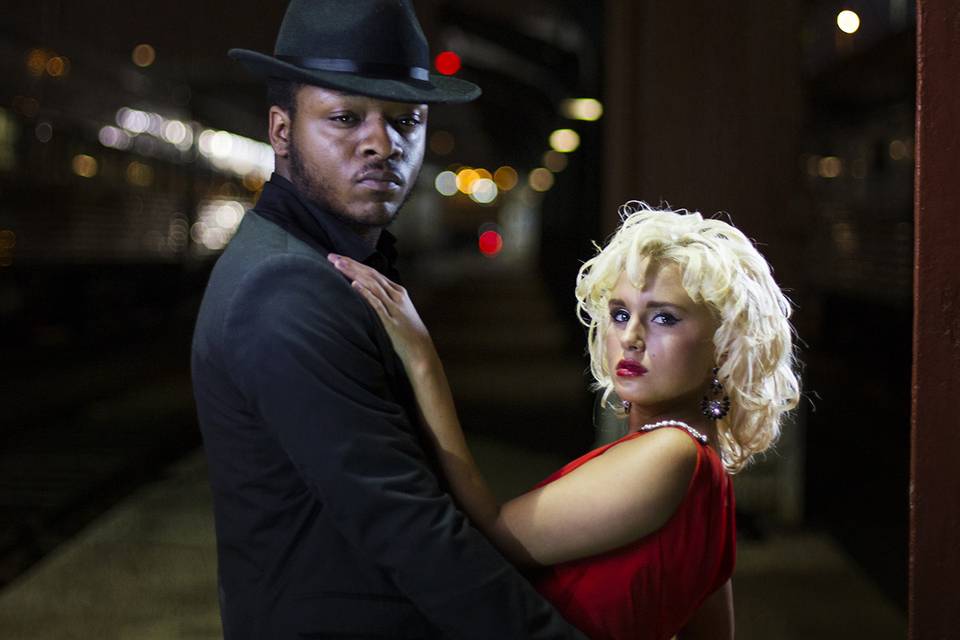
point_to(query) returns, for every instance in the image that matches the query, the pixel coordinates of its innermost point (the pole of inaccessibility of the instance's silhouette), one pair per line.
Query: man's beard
(318, 191)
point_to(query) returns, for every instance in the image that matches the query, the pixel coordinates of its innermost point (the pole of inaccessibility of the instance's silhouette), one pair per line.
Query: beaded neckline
(675, 423)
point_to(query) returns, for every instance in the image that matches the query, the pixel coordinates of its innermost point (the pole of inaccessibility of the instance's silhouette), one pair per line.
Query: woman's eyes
(666, 319)
(663, 318)
(619, 315)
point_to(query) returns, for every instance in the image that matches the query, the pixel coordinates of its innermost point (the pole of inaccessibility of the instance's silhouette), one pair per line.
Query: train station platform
(146, 570)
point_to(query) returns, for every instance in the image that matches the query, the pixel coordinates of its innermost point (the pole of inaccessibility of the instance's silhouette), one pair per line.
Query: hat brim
(439, 90)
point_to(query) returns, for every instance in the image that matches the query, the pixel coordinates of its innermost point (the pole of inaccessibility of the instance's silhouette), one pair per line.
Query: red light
(490, 243)
(447, 62)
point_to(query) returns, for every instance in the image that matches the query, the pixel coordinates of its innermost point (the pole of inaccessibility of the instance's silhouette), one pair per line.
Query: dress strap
(702, 439)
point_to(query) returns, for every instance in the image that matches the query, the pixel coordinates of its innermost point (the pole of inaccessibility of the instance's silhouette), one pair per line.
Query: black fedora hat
(369, 47)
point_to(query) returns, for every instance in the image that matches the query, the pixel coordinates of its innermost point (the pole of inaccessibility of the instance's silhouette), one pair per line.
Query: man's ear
(279, 126)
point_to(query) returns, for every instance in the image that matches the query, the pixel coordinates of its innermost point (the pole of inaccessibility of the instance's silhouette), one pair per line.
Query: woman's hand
(392, 304)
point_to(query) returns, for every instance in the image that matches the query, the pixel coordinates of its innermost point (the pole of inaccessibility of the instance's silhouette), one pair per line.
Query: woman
(636, 539)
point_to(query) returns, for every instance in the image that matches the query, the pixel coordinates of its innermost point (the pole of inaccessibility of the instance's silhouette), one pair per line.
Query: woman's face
(659, 343)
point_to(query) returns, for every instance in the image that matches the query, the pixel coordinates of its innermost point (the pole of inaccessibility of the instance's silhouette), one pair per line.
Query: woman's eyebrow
(616, 302)
(658, 305)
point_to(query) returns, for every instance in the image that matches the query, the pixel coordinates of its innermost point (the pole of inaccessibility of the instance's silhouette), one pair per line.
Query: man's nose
(380, 140)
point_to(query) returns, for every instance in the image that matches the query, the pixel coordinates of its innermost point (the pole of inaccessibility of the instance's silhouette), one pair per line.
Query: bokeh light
(465, 179)
(217, 222)
(442, 142)
(555, 161)
(58, 66)
(44, 132)
(446, 183)
(540, 179)
(144, 55)
(84, 165)
(564, 140)
(114, 138)
(484, 191)
(588, 109)
(505, 177)
(848, 21)
(447, 63)
(139, 174)
(830, 167)
(8, 240)
(490, 243)
(37, 61)
(899, 150)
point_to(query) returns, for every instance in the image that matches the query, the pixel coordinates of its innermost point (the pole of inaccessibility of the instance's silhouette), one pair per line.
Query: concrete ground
(146, 570)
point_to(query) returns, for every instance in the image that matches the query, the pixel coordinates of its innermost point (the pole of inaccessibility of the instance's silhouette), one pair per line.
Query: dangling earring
(716, 404)
(626, 405)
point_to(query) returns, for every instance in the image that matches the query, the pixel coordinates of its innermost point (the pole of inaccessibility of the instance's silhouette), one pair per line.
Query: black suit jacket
(330, 521)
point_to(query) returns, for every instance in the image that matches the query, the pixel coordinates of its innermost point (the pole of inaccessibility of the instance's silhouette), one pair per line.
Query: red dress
(650, 588)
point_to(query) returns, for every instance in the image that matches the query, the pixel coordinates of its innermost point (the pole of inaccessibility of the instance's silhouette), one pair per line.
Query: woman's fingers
(353, 270)
(372, 300)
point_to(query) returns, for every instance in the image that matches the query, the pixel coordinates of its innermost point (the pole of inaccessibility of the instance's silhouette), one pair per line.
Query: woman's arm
(714, 619)
(600, 506)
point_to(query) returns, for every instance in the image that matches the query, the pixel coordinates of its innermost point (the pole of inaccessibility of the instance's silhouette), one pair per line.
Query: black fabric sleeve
(302, 348)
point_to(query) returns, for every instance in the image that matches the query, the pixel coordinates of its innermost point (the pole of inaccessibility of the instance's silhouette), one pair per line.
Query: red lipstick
(630, 369)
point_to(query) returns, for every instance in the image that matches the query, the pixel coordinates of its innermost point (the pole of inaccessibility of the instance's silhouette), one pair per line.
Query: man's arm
(301, 348)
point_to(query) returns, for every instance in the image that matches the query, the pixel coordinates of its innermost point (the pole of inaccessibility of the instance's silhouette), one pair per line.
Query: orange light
(490, 243)
(505, 177)
(447, 63)
(58, 66)
(442, 142)
(144, 55)
(36, 61)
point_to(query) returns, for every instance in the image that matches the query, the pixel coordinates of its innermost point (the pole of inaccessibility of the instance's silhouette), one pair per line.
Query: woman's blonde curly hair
(721, 268)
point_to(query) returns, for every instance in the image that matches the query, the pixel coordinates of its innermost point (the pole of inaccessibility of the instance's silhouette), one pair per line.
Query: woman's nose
(632, 340)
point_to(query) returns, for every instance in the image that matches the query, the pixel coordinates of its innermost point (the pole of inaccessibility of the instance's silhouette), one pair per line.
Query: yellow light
(540, 179)
(587, 109)
(848, 21)
(139, 174)
(144, 55)
(555, 161)
(442, 143)
(465, 180)
(84, 166)
(830, 167)
(506, 178)
(483, 173)
(564, 140)
(898, 150)
(253, 181)
(8, 239)
(37, 61)
(446, 183)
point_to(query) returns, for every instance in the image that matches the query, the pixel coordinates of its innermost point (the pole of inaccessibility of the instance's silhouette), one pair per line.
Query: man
(330, 521)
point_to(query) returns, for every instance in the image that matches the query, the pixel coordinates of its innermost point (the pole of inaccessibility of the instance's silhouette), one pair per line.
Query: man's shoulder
(266, 271)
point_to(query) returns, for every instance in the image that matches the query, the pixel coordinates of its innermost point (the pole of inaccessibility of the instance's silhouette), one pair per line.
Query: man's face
(356, 156)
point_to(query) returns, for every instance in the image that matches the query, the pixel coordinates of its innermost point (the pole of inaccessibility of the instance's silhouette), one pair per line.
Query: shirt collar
(341, 238)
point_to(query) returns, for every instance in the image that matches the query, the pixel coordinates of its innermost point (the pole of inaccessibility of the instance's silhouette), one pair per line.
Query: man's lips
(630, 369)
(384, 180)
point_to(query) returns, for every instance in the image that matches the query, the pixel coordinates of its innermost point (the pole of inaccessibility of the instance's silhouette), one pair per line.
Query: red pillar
(935, 472)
